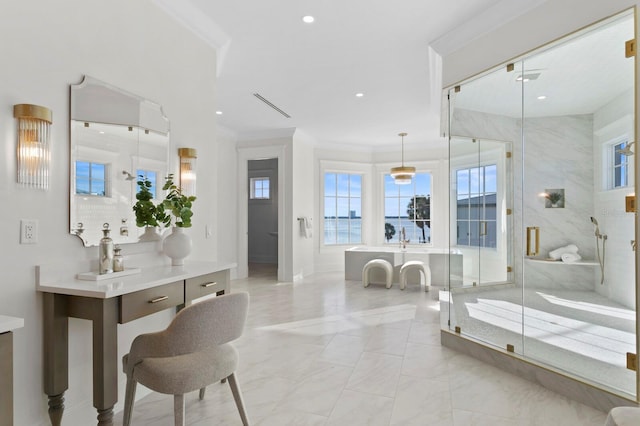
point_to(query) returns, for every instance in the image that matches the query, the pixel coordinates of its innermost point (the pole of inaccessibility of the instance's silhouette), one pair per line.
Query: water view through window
(408, 207)
(342, 208)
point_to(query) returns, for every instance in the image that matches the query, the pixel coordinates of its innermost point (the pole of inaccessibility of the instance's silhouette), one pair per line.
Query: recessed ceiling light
(308, 19)
(218, 112)
(359, 95)
(101, 132)
(543, 97)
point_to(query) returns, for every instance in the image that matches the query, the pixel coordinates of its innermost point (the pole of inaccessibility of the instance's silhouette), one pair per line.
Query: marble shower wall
(557, 153)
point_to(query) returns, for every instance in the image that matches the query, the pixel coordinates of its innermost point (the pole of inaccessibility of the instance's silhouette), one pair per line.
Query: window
(91, 178)
(342, 208)
(151, 176)
(476, 193)
(260, 188)
(408, 207)
(619, 175)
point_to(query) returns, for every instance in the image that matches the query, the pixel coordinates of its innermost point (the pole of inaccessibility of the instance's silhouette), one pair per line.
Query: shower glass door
(480, 211)
(578, 281)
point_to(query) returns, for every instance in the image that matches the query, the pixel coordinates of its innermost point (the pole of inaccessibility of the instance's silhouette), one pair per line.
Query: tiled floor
(328, 352)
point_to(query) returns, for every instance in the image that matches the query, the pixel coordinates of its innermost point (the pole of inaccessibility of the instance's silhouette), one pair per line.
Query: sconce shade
(34, 148)
(187, 171)
(402, 175)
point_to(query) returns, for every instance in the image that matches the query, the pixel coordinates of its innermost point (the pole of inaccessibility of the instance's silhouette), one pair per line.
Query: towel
(570, 257)
(306, 227)
(557, 253)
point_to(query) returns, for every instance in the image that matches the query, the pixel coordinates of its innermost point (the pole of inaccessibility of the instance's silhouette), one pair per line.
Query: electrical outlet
(28, 231)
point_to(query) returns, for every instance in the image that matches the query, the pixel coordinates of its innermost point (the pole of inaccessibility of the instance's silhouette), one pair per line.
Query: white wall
(303, 197)
(48, 46)
(225, 231)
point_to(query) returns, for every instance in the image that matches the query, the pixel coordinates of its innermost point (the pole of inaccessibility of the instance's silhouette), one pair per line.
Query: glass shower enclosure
(542, 172)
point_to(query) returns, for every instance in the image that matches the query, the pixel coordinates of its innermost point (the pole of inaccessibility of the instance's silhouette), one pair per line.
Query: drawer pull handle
(209, 284)
(158, 299)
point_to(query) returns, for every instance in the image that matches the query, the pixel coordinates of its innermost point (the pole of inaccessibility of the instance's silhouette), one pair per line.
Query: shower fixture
(626, 151)
(603, 238)
(129, 175)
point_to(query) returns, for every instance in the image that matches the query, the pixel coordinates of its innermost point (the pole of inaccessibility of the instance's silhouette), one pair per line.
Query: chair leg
(201, 395)
(129, 398)
(178, 409)
(237, 395)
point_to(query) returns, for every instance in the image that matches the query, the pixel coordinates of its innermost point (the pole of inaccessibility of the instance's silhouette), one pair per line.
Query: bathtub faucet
(403, 239)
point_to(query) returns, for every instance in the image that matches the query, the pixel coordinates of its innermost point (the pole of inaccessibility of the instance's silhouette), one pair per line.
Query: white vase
(177, 245)
(150, 234)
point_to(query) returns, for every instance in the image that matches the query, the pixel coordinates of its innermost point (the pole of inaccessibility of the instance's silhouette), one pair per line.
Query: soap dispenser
(105, 261)
(118, 260)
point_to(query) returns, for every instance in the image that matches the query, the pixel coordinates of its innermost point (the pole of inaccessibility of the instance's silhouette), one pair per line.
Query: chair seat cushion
(185, 373)
(623, 416)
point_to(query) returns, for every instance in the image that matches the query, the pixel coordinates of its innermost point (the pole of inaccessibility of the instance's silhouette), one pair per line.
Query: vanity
(108, 303)
(7, 325)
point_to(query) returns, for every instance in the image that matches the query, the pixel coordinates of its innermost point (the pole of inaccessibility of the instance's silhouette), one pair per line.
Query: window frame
(396, 238)
(252, 187)
(480, 194)
(609, 167)
(106, 181)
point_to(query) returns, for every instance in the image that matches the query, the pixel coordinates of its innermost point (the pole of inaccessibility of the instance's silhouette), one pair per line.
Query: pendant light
(402, 175)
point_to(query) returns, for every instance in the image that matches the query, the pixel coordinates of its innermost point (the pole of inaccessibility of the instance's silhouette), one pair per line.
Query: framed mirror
(116, 136)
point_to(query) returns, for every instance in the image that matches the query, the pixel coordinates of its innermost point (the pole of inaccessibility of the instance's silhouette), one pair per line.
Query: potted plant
(178, 204)
(149, 215)
(177, 245)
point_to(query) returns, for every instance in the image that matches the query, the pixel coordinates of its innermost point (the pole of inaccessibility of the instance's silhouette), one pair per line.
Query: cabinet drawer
(146, 302)
(206, 284)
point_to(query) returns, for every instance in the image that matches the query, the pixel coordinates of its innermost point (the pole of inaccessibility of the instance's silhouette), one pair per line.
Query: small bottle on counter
(118, 260)
(105, 260)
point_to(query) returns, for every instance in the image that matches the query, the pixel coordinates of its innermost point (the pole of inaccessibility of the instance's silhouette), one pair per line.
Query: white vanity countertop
(150, 276)
(10, 323)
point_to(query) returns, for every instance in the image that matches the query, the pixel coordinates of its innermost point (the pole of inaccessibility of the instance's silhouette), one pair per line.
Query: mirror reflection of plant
(147, 213)
(554, 197)
(177, 203)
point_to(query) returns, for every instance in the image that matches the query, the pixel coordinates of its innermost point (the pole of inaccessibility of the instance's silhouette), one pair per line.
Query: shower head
(594, 221)
(626, 151)
(129, 175)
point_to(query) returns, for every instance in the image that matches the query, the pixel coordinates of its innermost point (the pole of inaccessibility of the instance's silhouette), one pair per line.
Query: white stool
(415, 265)
(623, 416)
(379, 264)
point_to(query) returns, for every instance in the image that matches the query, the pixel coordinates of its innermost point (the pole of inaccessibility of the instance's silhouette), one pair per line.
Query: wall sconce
(34, 149)
(187, 171)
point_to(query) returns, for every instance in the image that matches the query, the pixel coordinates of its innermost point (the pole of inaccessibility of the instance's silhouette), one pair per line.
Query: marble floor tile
(376, 373)
(325, 351)
(361, 409)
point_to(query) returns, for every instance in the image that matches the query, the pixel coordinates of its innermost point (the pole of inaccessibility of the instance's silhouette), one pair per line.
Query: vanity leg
(56, 353)
(105, 359)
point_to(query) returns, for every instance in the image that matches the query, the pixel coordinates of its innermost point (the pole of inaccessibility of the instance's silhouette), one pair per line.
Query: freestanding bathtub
(440, 261)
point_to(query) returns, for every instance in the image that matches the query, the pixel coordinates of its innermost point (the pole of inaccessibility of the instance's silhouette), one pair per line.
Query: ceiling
(578, 75)
(388, 51)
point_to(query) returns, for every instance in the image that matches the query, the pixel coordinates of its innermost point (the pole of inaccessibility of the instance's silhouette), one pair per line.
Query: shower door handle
(533, 240)
(483, 228)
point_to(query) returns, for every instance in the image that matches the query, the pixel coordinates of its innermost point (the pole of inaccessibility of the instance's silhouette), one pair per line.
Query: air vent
(263, 99)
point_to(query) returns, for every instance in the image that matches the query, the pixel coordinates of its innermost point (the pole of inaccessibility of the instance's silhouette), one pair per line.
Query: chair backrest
(208, 323)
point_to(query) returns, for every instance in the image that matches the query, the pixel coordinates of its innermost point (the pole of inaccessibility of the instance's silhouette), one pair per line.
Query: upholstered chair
(192, 353)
